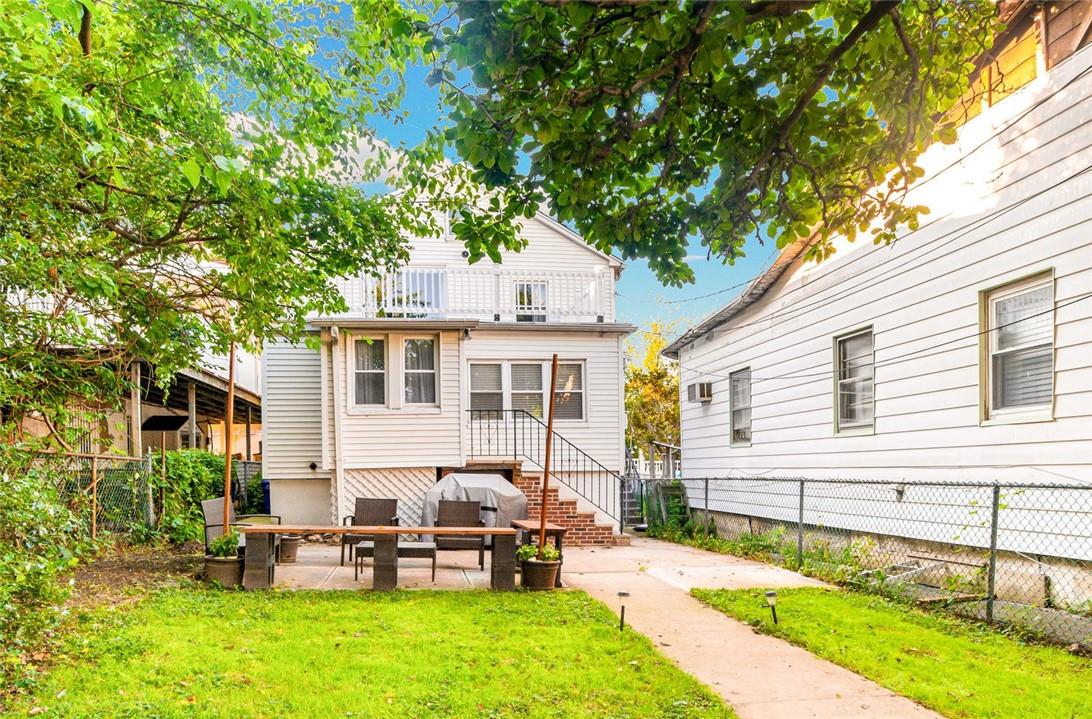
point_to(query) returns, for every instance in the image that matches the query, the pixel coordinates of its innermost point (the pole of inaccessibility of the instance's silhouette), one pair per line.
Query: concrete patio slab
(317, 567)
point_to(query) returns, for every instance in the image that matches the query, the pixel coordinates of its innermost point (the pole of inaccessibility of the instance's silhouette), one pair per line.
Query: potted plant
(223, 563)
(538, 569)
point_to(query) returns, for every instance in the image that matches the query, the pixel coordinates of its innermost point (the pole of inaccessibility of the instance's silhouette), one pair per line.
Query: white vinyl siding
(370, 374)
(291, 412)
(740, 387)
(1021, 348)
(855, 368)
(1006, 204)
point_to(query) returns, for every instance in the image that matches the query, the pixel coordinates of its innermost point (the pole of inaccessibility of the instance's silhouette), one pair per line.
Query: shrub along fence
(1016, 554)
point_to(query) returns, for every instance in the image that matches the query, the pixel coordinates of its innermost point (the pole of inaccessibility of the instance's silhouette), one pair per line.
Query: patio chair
(213, 511)
(452, 513)
(369, 512)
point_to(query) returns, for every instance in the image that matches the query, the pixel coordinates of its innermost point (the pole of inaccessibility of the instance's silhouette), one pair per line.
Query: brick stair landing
(582, 525)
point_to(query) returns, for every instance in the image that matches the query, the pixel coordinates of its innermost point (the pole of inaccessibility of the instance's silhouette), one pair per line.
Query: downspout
(339, 470)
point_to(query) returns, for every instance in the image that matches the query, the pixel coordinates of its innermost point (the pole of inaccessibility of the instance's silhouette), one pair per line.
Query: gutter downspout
(339, 470)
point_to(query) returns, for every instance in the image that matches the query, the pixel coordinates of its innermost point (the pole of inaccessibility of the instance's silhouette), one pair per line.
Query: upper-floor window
(370, 374)
(420, 371)
(855, 359)
(740, 391)
(531, 301)
(1020, 348)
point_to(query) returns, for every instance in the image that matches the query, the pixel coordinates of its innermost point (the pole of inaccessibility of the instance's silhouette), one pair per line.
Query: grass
(955, 668)
(203, 653)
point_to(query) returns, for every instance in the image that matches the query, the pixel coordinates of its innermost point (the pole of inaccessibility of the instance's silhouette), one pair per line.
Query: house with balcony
(440, 366)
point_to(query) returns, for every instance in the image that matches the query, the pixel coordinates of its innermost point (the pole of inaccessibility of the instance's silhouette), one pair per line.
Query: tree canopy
(652, 392)
(179, 174)
(643, 123)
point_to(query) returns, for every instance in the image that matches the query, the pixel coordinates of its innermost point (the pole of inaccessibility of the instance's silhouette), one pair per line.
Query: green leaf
(192, 172)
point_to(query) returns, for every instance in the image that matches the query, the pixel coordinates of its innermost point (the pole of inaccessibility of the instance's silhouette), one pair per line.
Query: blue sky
(642, 299)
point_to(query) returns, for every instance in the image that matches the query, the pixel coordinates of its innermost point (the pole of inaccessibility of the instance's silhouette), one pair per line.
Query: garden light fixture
(622, 616)
(771, 600)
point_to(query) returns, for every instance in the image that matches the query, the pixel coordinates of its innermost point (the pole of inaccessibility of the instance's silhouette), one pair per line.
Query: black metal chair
(453, 513)
(369, 512)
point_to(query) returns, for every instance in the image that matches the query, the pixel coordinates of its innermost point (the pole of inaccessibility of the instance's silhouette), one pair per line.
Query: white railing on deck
(484, 294)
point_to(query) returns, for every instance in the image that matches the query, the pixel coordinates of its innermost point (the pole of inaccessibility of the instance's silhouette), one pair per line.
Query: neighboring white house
(440, 364)
(961, 352)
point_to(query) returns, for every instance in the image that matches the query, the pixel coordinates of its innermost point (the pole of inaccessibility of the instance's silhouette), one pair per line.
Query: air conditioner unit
(700, 392)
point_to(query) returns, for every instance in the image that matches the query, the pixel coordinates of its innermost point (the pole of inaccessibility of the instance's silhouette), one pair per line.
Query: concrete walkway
(759, 676)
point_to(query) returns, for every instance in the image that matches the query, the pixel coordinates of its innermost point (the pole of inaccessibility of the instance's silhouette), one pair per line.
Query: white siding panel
(1002, 208)
(291, 412)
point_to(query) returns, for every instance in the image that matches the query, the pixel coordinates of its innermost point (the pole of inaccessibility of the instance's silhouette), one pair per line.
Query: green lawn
(197, 653)
(953, 667)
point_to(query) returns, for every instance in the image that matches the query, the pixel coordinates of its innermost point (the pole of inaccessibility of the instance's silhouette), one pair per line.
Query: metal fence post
(991, 578)
(706, 506)
(94, 496)
(800, 531)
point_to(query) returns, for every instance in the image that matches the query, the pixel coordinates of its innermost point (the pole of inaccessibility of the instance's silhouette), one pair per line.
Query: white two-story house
(440, 365)
(963, 351)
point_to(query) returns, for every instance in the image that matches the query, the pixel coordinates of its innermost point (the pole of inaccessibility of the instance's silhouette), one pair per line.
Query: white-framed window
(569, 393)
(1020, 348)
(522, 385)
(419, 370)
(370, 372)
(531, 301)
(739, 386)
(527, 390)
(854, 391)
(486, 386)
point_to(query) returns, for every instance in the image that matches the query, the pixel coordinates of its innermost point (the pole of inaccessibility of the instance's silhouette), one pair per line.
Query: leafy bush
(40, 538)
(193, 475)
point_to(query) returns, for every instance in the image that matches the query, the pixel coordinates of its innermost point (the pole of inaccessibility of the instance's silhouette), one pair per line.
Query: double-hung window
(527, 388)
(531, 301)
(569, 393)
(420, 371)
(486, 387)
(1020, 347)
(855, 360)
(370, 373)
(740, 391)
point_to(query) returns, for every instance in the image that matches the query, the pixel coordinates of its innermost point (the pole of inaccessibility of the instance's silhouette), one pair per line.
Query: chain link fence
(1018, 555)
(114, 493)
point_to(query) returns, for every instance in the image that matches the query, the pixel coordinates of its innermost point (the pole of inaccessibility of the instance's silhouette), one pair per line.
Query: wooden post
(94, 497)
(549, 447)
(162, 470)
(249, 454)
(135, 419)
(191, 391)
(229, 419)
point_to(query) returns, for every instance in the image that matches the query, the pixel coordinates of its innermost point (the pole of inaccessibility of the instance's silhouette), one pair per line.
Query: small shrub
(529, 552)
(226, 545)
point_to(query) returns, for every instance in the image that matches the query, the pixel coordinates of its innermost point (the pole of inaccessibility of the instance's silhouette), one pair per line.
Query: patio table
(258, 565)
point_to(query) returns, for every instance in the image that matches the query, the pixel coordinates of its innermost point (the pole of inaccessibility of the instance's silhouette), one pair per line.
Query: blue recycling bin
(265, 497)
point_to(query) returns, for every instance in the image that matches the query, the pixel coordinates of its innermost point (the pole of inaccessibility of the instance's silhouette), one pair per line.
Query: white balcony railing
(489, 294)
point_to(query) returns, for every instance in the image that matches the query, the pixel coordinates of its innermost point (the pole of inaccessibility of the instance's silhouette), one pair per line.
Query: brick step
(582, 525)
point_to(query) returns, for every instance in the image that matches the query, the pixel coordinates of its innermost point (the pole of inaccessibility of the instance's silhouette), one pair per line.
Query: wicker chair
(213, 511)
(453, 513)
(369, 512)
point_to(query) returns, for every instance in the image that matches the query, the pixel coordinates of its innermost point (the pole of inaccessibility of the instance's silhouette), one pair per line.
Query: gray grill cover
(501, 501)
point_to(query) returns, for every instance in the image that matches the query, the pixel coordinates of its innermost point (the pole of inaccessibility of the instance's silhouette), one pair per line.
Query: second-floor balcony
(484, 294)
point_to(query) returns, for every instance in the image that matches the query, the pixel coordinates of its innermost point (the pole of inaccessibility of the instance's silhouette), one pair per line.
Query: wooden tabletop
(343, 529)
(533, 525)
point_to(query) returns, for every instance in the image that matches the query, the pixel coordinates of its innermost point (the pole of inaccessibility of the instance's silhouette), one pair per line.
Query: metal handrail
(520, 434)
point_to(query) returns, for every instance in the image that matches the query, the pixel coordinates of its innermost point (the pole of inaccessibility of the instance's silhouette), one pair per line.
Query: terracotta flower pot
(226, 571)
(538, 575)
